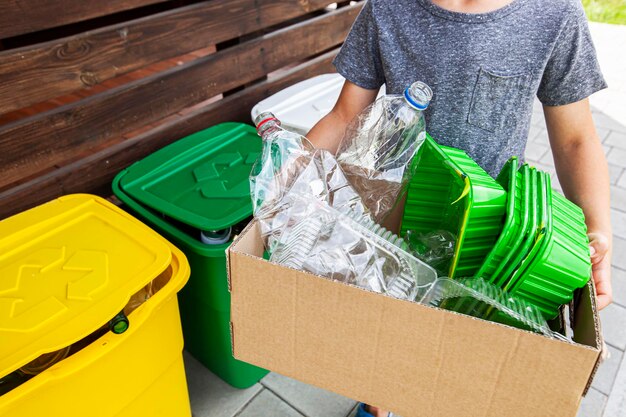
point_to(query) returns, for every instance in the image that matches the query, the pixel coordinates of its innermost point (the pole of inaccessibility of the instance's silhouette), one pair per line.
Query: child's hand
(599, 248)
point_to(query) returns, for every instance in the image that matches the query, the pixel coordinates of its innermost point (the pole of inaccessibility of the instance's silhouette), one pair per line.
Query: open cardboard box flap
(412, 359)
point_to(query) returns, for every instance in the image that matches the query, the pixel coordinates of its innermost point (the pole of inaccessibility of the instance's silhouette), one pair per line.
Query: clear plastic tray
(350, 248)
(477, 298)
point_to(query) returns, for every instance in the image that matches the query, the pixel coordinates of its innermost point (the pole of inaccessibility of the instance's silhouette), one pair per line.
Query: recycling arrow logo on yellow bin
(45, 283)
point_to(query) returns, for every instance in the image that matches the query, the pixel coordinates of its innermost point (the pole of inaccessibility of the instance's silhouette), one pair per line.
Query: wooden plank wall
(74, 110)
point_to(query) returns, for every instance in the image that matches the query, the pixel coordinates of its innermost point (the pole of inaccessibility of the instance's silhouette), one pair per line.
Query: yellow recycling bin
(85, 280)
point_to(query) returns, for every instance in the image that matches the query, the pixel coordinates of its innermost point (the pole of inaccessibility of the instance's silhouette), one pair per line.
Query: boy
(486, 60)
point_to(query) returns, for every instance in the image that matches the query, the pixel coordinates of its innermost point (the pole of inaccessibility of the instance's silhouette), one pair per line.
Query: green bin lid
(201, 180)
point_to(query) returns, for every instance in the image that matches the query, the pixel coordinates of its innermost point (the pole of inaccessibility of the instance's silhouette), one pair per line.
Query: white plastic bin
(300, 106)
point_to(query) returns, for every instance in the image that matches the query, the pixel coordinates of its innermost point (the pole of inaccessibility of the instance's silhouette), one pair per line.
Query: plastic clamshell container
(562, 264)
(67, 268)
(359, 250)
(477, 298)
(205, 300)
(449, 191)
(201, 180)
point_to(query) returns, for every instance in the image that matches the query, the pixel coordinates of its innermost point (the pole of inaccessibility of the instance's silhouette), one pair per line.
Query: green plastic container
(495, 259)
(200, 183)
(501, 274)
(544, 222)
(538, 187)
(485, 209)
(450, 191)
(527, 237)
(562, 264)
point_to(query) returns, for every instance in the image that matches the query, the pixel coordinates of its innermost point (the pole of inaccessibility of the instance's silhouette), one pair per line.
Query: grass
(606, 11)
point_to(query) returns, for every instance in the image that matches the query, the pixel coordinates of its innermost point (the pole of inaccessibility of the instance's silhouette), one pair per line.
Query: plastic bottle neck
(418, 95)
(268, 127)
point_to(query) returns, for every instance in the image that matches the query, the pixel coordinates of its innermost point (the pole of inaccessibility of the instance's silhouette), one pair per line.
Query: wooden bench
(88, 88)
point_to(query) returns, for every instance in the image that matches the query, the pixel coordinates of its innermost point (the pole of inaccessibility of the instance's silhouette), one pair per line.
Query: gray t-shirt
(484, 69)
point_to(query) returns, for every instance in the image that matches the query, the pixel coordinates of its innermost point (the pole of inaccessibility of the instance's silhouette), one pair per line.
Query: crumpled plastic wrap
(291, 166)
(477, 298)
(312, 219)
(379, 145)
(350, 248)
(436, 248)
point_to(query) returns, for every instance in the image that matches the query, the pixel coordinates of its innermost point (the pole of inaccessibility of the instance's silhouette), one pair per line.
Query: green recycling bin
(196, 193)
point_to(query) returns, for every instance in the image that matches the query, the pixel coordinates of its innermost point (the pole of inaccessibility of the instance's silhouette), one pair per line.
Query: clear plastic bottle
(379, 145)
(284, 154)
(290, 166)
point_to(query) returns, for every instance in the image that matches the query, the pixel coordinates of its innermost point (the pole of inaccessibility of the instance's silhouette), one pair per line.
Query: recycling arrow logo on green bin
(214, 186)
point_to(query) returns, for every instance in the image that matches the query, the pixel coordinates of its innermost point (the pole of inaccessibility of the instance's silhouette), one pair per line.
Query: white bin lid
(300, 106)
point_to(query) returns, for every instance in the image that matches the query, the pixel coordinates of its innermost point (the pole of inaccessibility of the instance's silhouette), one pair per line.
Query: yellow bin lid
(66, 268)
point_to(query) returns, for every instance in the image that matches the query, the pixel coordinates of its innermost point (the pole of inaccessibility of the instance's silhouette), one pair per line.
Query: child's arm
(328, 132)
(583, 173)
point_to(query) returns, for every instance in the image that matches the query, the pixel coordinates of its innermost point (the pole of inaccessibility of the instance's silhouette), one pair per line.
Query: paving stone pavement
(278, 396)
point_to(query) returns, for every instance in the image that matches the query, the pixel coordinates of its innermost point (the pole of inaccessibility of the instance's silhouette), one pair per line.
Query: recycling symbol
(214, 186)
(38, 287)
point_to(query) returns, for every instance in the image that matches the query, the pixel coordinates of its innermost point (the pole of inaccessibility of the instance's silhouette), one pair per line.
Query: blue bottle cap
(418, 95)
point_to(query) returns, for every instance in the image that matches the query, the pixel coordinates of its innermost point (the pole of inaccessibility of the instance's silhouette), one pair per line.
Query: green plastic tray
(449, 191)
(502, 272)
(522, 253)
(485, 211)
(562, 263)
(541, 234)
(512, 222)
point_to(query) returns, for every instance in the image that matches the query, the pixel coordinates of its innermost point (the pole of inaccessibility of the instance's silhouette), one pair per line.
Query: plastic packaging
(477, 298)
(521, 255)
(494, 261)
(435, 248)
(379, 145)
(290, 166)
(449, 191)
(484, 208)
(44, 361)
(562, 262)
(350, 248)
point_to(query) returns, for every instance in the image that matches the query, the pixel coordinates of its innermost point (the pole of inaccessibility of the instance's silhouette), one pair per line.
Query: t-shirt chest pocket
(496, 100)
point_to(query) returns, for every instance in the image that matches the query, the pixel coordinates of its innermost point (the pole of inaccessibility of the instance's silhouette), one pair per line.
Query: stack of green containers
(542, 254)
(200, 183)
(514, 232)
(515, 222)
(561, 261)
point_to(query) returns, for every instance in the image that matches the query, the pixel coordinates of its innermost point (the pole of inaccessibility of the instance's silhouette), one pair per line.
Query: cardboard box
(412, 359)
